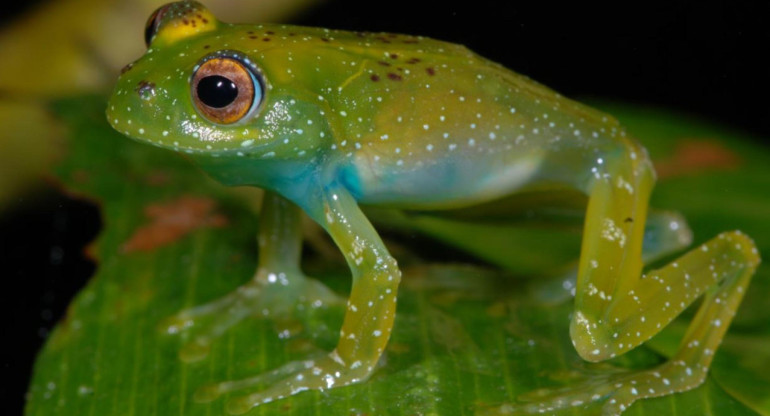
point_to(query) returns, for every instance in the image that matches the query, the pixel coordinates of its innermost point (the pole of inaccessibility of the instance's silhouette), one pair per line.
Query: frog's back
(416, 114)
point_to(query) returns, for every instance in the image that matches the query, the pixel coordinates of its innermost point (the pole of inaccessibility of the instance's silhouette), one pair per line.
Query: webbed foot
(273, 295)
(608, 394)
(327, 372)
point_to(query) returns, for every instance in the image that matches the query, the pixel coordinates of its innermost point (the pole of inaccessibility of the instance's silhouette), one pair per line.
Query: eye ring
(153, 23)
(225, 90)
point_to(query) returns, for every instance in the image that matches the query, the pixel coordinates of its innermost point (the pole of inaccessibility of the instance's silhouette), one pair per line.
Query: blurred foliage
(68, 47)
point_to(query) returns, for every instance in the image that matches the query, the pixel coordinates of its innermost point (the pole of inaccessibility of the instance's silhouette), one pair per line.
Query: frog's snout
(145, 89)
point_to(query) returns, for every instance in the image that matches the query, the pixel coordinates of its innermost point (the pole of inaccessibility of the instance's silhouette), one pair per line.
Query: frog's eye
(224, 90)
(153, 23)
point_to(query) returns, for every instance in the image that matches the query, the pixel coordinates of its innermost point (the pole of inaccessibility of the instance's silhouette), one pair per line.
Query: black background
(699, 57)
(707, 59)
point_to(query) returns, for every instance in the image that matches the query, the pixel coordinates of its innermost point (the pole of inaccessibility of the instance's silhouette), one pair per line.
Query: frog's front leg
(617, 308)
(276, 289)
(368, 320)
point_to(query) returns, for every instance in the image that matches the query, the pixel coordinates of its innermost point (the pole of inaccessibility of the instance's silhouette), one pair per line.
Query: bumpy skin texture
(342, 119)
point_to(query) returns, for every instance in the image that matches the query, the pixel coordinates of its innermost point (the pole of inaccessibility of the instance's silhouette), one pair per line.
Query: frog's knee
(744, 246)
(591, 338)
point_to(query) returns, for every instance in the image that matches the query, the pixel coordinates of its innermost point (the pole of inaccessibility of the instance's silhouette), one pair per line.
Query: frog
(328, 121)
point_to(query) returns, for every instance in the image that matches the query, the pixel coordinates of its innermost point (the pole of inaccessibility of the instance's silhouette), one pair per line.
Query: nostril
(145, 89)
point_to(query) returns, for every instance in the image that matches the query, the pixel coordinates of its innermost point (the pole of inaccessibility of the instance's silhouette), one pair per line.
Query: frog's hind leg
(617, 308)
(277, 288)
(665, 233)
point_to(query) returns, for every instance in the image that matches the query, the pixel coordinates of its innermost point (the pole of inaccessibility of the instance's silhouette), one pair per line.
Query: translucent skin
(361, 118)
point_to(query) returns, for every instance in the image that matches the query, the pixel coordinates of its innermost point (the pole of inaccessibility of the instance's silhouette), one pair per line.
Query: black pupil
(149, 31)
(217, 91)
(151, 27)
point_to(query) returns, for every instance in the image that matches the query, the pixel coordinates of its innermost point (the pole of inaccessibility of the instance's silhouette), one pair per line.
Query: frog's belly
(446, 183)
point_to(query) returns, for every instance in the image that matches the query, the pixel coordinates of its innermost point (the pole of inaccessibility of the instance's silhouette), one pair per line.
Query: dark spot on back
(266, 39)
(394, 56)
(412, 41)
(383, 63)
(270, 32)
(394, 77)
(375, 77)
(253, 37)
(413, 60)
(430, 71)
(206, 46)
(629, 219)
(325, 39)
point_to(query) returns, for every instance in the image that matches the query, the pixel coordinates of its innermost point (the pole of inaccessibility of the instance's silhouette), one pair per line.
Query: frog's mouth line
(260, 152)
(199, 138)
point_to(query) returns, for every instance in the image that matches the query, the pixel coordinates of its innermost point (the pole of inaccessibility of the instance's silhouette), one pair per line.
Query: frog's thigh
(617, 309)
(665, 233)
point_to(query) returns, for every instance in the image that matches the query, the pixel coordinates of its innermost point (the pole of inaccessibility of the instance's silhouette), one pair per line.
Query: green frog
(326, 121)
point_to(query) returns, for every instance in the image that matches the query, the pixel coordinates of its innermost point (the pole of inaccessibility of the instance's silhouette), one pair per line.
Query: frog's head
(207, 88)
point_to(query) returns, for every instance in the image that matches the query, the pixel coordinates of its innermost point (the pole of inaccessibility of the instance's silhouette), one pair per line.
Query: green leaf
(466, 336)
